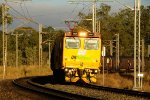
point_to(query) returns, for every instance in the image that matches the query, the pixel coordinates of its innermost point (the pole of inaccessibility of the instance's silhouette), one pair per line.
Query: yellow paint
(81, 58)
(74, 79)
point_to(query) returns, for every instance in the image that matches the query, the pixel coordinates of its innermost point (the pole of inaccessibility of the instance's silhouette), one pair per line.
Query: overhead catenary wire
(23, 17)
(22, 9)
(74, 20)
(22, 14)
(85, 7)
(27, 10)
(27, 15)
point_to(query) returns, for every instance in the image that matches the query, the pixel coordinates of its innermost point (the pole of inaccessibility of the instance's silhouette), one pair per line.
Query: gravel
(99, 94)
(8, 91)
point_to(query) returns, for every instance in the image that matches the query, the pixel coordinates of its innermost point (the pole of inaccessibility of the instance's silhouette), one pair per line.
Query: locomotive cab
(75, 56)
(81, 56)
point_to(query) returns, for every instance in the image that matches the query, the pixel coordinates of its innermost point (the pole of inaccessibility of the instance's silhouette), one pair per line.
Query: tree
(9, 19)
(121, 22)
(31, 55)
(145, 24)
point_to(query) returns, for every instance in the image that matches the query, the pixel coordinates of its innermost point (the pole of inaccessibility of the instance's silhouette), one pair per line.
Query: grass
(116, 81)
(24, 71)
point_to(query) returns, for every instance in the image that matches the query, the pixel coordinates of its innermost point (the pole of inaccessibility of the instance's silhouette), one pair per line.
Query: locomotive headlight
(84, 34)
(96, 71)
(66, 69)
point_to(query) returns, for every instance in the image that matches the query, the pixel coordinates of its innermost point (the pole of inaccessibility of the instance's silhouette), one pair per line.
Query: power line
(27, 10)
(22, 9)
(22, 15)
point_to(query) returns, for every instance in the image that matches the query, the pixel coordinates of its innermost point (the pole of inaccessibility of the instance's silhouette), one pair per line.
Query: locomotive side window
(72, 43)
(91, 44)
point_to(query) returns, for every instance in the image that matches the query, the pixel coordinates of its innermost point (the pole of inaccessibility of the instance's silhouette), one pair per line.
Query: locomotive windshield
(73, 43)
(91, 44)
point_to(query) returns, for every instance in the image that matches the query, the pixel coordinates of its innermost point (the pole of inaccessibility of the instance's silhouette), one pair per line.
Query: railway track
(100, 91)
(119, 91)
(27, 83)
(39, 84)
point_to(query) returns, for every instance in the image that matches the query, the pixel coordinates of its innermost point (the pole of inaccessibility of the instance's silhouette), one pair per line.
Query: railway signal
(114, 44)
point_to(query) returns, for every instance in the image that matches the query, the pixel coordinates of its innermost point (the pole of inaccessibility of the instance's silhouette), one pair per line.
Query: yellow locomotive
(76, 55)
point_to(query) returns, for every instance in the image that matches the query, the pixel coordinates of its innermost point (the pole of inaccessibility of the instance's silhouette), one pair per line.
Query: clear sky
(54, 12)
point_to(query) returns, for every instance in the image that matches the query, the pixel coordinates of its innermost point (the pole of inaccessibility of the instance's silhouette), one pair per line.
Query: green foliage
(1, 46)
(147, 67)
(145, 24)
(9, 19)
(121, 22)
(31, 55)
(11, 58)
(28, 44)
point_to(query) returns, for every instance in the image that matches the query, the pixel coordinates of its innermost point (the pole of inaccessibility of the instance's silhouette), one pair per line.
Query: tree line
(121, 22)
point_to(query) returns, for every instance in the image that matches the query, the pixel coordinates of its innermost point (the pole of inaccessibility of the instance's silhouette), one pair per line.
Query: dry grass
(115, 80)
(24, 71)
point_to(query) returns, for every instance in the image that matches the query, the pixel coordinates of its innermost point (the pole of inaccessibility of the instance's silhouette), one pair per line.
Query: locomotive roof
(86, 34)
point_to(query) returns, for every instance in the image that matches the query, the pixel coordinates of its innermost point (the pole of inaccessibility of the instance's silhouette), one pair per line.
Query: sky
(55, 12)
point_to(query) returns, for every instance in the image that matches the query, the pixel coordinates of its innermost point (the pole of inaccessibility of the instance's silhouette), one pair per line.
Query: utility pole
(4, 29)
(93, 9)
(137, 60)
(103, 54)
(117, 51)
(98, 26)
(143, 62)
(139, 40)
(16, 49)
(111, 47)
(40, 45)
(49, 43)
(135, 84)
(94, 16)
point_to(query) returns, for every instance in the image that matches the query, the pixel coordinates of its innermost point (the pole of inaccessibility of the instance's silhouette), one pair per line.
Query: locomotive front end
(81, 56)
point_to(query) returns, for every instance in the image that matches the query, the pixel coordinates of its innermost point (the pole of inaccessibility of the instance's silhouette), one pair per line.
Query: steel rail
(117, 90)
(127, 92)
(48, 91)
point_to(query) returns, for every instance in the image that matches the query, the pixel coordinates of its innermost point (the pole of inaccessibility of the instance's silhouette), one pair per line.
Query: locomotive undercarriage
(87, 75)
